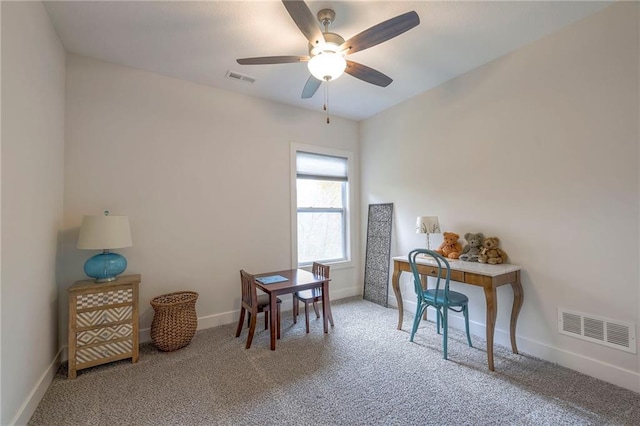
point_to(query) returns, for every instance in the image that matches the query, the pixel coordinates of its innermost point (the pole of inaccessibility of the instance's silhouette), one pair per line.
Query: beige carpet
(363, 372)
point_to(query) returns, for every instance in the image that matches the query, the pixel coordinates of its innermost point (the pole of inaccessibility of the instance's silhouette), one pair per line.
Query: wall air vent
(615, 334)
(240, 77)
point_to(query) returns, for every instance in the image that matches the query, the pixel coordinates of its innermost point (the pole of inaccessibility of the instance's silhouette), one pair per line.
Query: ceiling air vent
(240, 77)
(615, 334)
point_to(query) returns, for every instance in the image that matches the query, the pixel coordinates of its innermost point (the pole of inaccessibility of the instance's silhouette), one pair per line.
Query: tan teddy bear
(450, 247)
(491, 253)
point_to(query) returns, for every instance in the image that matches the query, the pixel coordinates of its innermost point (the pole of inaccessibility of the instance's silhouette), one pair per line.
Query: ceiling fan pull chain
(326, 100)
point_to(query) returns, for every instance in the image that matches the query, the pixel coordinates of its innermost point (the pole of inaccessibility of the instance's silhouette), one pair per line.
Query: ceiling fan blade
(310, 87)
(272, 60)
(382, 32)
(367, 74)
(305, 20)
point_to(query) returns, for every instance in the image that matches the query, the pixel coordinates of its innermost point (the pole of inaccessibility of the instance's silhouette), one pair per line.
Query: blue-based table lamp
(105, 233)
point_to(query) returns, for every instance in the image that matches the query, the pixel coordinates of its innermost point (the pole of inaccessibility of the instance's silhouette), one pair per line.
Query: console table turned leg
(395, 283)
(490, 296)
(518, 297)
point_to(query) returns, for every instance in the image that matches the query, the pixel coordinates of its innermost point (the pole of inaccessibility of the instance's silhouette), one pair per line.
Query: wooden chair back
(249, 291)
(320, 269)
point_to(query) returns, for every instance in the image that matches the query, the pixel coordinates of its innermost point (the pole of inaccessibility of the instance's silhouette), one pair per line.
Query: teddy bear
(450, 247)
(471, 250)
(491, 253)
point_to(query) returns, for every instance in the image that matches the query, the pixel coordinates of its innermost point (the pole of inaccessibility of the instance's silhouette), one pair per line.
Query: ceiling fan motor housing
(332, 42)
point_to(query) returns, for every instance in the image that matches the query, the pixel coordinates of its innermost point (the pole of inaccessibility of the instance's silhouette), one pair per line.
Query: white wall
(203, 175)
(539, 148)
(33, 69)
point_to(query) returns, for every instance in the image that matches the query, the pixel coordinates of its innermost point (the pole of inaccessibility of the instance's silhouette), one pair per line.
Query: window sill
(343, 264)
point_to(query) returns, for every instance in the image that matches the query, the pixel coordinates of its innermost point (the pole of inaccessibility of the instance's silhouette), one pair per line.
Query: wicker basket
(175, 321)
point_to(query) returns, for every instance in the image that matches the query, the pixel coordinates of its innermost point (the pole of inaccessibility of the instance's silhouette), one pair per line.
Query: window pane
(320, 193)
(320, 236)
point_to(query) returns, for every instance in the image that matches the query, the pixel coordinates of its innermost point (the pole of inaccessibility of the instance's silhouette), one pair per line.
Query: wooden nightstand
(103, 322)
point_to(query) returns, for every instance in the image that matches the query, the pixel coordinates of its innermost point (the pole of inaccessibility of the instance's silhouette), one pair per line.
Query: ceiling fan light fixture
(327, 65)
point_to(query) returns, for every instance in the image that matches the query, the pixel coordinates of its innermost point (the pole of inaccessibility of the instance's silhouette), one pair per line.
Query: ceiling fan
(327, 51)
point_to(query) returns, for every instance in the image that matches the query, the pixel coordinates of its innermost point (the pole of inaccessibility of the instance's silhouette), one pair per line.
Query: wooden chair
(254, 304)
(312, 296)
(440, 297)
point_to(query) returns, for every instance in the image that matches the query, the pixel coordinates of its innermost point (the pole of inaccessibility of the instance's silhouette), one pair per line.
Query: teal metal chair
(440, 297)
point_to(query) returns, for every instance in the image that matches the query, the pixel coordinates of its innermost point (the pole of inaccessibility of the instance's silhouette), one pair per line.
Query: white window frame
(350, 201)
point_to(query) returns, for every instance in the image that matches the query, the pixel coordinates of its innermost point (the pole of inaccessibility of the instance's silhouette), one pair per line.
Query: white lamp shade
(104, 233)
(427, 225)
(327, 66)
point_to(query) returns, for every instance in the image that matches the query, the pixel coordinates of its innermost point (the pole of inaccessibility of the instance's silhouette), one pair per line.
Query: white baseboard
(592, 367)
(37, 393)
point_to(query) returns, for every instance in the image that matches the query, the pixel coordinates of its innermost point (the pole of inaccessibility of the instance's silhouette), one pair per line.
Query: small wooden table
(489, 277)
(297, 280)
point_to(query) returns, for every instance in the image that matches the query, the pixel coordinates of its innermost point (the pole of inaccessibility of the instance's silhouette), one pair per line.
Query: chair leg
(239, 329)
(445, 327)
(416, 320)
(252, 329)
(266, 319)
(465, 311)
(315, 308)
(438, 314)
(306, 314)
(248, 319)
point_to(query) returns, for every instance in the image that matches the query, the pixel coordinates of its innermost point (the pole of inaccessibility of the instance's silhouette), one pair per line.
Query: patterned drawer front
(104, 334)
(103, 351)
(105, 298)
(104, 316)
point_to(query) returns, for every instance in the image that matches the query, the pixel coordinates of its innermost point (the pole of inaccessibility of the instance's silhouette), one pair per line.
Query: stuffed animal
(450, 247)
(491, 253)
(472, 249)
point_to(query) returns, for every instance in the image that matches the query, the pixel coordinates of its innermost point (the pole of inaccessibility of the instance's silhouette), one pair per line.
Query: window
(322, 206)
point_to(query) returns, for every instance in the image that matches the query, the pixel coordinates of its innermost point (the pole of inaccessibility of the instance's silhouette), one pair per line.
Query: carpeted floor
(363, 372)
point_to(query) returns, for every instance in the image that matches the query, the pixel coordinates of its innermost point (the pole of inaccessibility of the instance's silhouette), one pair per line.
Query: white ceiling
(200, 42)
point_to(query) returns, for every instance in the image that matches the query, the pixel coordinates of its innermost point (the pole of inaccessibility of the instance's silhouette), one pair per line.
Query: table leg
(273, 318)
(325, 305)
(491, 298)
(515, 310)
(395, 283)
